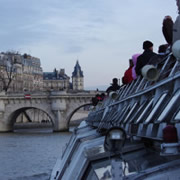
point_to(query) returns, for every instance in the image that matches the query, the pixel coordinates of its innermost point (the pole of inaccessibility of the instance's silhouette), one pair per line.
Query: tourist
(167, 29)
(97, 98)
(134, 59)
(144, 58)
(162, 53)
(114, 86)
(128, 74)
(94, 101)
(103, 96)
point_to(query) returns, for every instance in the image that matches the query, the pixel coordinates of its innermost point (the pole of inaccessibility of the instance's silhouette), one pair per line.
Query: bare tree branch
(7, 70)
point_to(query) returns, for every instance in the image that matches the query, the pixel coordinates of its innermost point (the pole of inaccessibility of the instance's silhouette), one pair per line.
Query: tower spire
(77, 77)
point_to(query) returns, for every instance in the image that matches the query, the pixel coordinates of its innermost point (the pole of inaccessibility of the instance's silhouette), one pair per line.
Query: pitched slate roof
(77, 70)
(55, 75)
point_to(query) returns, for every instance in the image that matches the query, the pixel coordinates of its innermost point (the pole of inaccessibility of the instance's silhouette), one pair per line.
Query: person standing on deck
(144, 58)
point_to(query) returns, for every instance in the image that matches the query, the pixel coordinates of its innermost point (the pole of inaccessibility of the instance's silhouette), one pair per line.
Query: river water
(30, 154)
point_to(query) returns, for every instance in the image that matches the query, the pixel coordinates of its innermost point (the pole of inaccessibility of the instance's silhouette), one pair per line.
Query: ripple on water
(30, 154)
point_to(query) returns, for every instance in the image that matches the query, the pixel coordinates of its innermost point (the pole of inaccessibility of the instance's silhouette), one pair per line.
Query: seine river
(30, 154)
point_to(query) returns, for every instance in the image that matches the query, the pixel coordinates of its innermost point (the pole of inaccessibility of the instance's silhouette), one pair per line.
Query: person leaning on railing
(114, 86)
(144, 58)
(97, 98)
(158, 60)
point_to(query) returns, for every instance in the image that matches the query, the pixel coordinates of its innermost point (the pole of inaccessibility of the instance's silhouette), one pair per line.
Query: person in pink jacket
(134, 59)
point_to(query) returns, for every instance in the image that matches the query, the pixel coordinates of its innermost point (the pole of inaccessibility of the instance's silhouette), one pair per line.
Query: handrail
(119, 112)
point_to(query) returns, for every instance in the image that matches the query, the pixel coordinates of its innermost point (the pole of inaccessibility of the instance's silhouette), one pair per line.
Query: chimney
(62, 71)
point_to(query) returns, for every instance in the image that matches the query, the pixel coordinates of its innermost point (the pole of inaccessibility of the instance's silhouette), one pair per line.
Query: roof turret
(77, 70)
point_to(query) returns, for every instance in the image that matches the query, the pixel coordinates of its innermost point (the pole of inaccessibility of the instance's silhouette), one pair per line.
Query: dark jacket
(157, 59)
(143, 60)
(113, 87)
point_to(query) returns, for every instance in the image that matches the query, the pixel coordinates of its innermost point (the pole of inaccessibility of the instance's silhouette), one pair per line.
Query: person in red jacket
(128, 74)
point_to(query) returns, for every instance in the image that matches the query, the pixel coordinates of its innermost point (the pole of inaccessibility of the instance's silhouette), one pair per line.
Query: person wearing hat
(144, 58)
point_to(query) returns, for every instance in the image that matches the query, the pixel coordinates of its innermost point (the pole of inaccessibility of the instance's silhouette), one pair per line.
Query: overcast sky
(102, 34)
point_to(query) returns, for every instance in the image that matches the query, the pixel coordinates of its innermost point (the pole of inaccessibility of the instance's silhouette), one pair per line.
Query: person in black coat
(144, 58)
(160, 57)
(114, 86)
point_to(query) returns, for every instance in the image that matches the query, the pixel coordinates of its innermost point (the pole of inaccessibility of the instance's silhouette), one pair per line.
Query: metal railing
(139, 104)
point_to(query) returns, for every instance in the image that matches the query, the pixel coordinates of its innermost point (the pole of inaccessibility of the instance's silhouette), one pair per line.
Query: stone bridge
(59, 107)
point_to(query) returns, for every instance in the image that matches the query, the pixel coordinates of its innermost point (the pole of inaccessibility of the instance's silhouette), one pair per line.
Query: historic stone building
(77, 78)
(56, 80)
(24, 73)
(20, 73)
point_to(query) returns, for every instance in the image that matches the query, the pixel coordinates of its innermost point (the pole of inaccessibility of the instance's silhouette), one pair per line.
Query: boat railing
(143, 108)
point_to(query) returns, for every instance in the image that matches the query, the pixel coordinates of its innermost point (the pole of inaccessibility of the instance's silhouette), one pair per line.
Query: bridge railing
(143, 108)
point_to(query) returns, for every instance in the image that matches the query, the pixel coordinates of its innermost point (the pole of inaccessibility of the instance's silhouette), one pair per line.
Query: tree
(7, 70)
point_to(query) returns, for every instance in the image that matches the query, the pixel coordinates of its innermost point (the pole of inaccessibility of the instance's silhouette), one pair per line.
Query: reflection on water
(30, 153)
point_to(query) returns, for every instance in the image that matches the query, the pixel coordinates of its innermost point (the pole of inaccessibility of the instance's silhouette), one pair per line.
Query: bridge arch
(12, 113)
(57, 105)
(74, 111)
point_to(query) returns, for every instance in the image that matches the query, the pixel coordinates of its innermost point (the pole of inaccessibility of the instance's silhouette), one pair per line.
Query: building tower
(77, 78)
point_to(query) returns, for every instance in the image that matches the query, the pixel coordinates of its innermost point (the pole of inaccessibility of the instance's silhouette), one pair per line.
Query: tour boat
(133, 134)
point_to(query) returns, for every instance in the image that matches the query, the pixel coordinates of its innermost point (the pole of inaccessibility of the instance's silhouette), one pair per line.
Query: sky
(102, 34)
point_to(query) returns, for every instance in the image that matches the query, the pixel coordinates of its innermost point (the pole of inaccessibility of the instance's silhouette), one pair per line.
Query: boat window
(156, 107)
(100, 169)
(169, 106)
(132, 163)
(141, 160)
(149, 105)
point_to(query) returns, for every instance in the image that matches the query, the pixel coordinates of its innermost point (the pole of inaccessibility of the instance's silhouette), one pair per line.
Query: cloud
(74, 49)
(101, 32)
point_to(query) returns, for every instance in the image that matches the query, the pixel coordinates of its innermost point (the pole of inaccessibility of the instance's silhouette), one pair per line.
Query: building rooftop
(77, 70)
(55, 75)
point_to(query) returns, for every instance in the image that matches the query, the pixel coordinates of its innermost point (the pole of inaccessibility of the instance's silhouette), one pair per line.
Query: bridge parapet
(57, 105)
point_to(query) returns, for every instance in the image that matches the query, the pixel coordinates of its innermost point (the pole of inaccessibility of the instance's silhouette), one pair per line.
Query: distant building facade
(20, 73)
(56, 80)
(23, 73)
(77, 78)
(59, 80)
